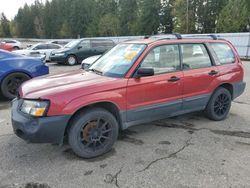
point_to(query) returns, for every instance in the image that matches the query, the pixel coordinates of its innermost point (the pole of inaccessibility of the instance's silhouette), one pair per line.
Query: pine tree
(149, 18)
(5, 26)
(234, 17)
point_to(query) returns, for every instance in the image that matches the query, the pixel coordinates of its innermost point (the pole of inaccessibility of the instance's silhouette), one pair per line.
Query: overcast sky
(10, 7)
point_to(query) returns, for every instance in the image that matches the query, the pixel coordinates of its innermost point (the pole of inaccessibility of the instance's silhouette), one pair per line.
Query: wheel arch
(14, 72)
(229, 87)
(109, 106)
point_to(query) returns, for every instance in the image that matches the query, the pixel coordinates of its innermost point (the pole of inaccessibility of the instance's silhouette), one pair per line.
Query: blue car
(16, 69)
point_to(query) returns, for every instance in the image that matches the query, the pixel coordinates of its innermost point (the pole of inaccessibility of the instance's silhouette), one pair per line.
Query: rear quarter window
(223, 52)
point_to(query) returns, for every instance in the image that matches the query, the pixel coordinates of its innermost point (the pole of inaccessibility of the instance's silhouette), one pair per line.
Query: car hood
(62, 50)
(22, 52)
(91, 59)
(68, 85)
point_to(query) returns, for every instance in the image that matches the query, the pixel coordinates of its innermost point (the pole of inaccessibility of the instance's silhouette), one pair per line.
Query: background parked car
(40, 48)
(5, 46)
(60, 42)
(16, 69)
(77, 50)
(86, 63)
(14, 43)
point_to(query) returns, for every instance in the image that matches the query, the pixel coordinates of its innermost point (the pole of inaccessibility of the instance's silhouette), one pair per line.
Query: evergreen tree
(185, 16)
(234, 17)
(128, 16)
(167, 24)
(5, 26)
(149, 18)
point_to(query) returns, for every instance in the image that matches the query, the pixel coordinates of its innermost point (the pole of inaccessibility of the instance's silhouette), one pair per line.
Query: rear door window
(224, 53)
(195, 56)
(41, 47)
(53, 46)
(85, 44)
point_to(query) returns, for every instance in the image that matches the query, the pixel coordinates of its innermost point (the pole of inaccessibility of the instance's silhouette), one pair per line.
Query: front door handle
(173, 79)
(213, 72)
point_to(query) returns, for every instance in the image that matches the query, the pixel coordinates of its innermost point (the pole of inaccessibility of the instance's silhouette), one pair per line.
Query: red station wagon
(134, 83)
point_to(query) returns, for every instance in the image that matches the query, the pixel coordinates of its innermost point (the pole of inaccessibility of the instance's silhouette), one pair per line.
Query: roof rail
(214, 37)
(179, 36)
(165, 36)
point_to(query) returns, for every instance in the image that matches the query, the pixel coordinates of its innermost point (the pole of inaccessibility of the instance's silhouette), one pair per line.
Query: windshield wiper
(96, 71)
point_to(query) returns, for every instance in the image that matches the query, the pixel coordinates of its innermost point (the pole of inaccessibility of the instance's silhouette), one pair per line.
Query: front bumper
(59, 59)
(38, 130)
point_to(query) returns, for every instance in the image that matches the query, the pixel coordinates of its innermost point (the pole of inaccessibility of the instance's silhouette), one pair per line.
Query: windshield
(72, 44)
(33, 46)
(118, 60)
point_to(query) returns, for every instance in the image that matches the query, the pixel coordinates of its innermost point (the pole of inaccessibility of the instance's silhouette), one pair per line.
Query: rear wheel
(71, 60)
(219, 104)
(11, 84)
(16, 48)
(93, 133)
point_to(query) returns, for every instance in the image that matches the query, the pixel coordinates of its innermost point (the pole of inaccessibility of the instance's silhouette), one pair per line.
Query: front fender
(117, 98)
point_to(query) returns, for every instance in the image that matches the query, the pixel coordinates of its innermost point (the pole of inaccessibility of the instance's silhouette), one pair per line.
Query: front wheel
(11, 83)
(71, 60)
(219, 105)
(93, 133)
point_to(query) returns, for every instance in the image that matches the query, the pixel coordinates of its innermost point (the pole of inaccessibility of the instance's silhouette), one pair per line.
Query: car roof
(176, 38)
(171, 41)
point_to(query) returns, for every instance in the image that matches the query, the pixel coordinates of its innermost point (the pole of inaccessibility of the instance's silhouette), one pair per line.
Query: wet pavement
(184, 151)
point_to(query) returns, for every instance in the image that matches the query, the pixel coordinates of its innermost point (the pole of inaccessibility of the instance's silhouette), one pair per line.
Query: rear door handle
(213, 72)
(173, 79)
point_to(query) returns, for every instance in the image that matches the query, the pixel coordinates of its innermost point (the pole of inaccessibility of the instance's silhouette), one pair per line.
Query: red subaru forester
(135, 82)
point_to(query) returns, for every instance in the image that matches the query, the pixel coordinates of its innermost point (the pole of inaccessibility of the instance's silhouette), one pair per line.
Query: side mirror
(85, 66)
(79, 47)
(143, 72)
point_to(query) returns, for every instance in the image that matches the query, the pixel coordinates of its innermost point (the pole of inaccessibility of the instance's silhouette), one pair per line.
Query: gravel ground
(185, 151)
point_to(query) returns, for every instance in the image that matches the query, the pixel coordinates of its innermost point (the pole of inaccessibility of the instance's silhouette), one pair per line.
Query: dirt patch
(243, 143)
(103, 165)
(164, 143)
(232, 133)
(36, 185)
(125, 137)
(161, 151)
(183, 125)
(87, 173)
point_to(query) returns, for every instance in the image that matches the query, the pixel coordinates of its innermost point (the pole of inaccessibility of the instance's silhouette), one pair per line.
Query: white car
(16, 44)
(38, 49)
(86, 63)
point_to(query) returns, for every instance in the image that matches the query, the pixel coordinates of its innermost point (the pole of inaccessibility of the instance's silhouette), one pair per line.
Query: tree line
(93, 18)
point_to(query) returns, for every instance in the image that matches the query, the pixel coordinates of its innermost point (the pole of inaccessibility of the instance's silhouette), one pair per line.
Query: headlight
(60, 54)
(35, 108)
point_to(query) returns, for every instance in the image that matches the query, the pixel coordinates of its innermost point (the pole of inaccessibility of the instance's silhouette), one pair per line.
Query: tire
(71, 60)
(93, 133)
(11, 83)
(219, 105)
(16, 48)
